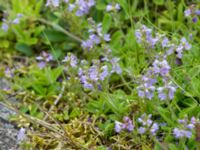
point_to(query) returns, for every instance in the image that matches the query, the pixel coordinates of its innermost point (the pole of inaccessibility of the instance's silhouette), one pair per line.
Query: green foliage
(62, 113)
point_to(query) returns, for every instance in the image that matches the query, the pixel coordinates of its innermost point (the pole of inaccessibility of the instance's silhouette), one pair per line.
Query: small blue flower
(194, 19)
(106, 37)
(197, 12)
(154, 128)
(21, 136)
(54, 3)
(118, 126)
(141, 130)
(188, 12)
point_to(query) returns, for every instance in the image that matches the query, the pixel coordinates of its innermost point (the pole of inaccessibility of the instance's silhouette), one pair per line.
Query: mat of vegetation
(101, 74)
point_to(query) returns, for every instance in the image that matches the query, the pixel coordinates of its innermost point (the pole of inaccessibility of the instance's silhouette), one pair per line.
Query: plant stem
(56, 101)
(59, 28)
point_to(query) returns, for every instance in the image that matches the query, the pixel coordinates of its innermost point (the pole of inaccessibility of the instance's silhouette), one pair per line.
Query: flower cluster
(167, 91)
(71, 59)
(127, 124)
(147, 124)
(112, 7)
(160, 68)
(147, 88)
(6, 23)
(144, 36)
(54, 3)
(92, 75)
(96, 36)
(43, 59)
(184, 45)
(81, 7)
(186, 128)
(193, 12)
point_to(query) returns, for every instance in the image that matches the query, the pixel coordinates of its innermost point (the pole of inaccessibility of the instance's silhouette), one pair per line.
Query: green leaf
(54, 36)
(23, 48)
(165, 115)
(56, 73)
(107, 21)
(180, 12)
(75, 113)
(158, 2)
(172, 147)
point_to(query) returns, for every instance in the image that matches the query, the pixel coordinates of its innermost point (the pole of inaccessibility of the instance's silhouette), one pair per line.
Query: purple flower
(41, 64)
(54, 3)
(109, 7)
(138, 36)
(186, 128)
(117, 6)
(147, 124)
(21, 136)
(45, 57)
(118, 126)
(170, 50)
(193, 120)
(71, 7)
(17, 19)
(88, 85)
(147, 88)
(146, 91)
(145, 120)
(187, 12)
(104, 73)
(154, 128)
(141, 130)
(93, 73)
(185, 44)
(83, 6)
(9, 73)
(165, 42)
(95, 38)
(166, 91)
(161, 95)
(190, 126)
(89, 44)
(197, 12)
(106, 37)
(127, 125)
(115, 66)
(4, 25)
(194, 19)
(179, 133)
(72, 59)
(161, 67)
(144, 34)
